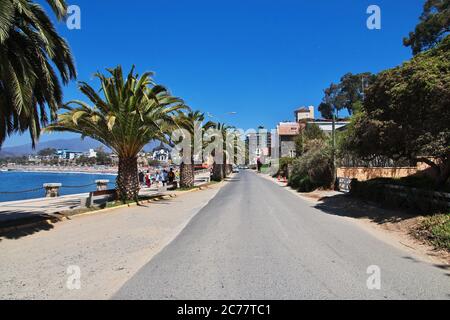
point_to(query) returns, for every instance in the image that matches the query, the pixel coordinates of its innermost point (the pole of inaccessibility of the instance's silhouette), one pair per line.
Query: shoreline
(59, 170)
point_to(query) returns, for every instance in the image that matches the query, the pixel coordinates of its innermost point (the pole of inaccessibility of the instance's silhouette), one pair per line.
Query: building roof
(302, 109)
(288, 129)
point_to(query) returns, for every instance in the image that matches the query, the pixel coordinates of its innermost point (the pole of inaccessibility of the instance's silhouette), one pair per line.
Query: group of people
(163, 177)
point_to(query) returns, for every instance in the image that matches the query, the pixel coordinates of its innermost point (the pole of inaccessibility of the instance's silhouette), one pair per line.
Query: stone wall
(364, 174)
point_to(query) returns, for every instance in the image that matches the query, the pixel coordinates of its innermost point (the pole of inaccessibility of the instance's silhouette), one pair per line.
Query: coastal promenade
(51, 208)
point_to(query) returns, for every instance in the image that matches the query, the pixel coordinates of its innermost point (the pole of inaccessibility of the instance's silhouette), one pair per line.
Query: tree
(102, 158)
(348, 94)
(191, 122)
(47, 152)
(433, 27)
(132, 112)
(311, 132)
(225, 137)
(406, 113)
(29, 48)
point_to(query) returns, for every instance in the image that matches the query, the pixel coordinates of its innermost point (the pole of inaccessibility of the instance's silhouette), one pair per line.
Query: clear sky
(259, 58)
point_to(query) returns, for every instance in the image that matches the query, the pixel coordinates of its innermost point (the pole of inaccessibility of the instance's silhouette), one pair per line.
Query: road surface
(255, 240)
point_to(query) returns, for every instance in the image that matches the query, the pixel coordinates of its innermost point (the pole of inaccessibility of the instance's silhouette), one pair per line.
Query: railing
(52, 189)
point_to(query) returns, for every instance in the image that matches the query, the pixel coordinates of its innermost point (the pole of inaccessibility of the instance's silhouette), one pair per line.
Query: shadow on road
(346, 206)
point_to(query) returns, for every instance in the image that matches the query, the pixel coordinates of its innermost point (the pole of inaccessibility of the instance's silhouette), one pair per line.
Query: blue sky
(259, 58)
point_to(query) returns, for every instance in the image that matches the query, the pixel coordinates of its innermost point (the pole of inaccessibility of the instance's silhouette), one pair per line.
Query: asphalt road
(255, 240)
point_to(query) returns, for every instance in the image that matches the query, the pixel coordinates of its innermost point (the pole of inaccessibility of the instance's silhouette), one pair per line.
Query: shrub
(313, 170)
(436, 229)
(283, 166)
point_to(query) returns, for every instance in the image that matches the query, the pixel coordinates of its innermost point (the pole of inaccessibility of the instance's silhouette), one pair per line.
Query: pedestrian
(165, 177)
(147, 179)
(171, 176)
(141, 178)
(158, 178)
(259, 164)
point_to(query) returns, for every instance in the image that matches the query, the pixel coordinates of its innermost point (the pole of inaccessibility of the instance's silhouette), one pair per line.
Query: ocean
(21, 181)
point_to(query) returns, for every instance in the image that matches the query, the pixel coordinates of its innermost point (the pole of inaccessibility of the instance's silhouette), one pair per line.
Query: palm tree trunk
(187, 175)
(224, 168)
(127, 180)
(217, 172)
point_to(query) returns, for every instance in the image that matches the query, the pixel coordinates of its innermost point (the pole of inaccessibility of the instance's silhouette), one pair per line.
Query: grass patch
(436, 230)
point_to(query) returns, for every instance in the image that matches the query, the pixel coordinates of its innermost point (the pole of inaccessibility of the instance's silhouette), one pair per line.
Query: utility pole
(333, 137)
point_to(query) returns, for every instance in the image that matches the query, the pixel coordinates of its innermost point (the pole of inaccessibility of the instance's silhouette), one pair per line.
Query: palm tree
(131, 113)
(29, 48)
(191, 122)
(220, 167)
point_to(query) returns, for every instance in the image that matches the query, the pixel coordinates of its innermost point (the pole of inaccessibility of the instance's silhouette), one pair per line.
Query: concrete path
(108, 248)
(255, 240)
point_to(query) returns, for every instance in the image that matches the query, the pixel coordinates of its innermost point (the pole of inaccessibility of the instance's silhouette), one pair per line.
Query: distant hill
(76, 144)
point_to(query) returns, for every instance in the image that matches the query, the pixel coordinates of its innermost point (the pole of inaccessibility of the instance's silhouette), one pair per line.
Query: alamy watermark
(73, 17)
(231, 146)
(374, 19)
(374, 280)
(74, 279)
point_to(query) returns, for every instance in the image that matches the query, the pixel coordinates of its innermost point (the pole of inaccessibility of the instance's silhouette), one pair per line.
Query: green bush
(436, 229)
(313, 170)
(283, 166)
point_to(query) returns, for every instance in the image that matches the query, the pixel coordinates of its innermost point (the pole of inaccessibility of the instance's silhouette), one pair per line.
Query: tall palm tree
(191, 122)
(132, 112)
(220, 167)
(30, 48)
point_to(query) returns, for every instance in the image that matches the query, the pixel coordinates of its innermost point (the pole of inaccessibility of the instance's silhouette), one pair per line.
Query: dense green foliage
(433, 27)
(30, 50)
(311, 132)
(314, 169)
(406, 113)
(347, 95)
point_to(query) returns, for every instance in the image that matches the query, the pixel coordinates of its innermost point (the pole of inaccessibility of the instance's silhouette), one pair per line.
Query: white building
(161, 153)
(91, 153)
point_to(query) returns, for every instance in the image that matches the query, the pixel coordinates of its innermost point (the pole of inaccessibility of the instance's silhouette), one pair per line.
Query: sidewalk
(108, 247)
(50, 208)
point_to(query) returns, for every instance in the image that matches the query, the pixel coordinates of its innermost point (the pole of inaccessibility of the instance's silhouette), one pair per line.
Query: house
(161, 153)
(304, 113)
(287, 131)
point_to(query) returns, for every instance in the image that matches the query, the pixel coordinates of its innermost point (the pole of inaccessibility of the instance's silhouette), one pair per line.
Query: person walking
(141, 178)
(171, 176)
(165, 177)
(147, 179)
